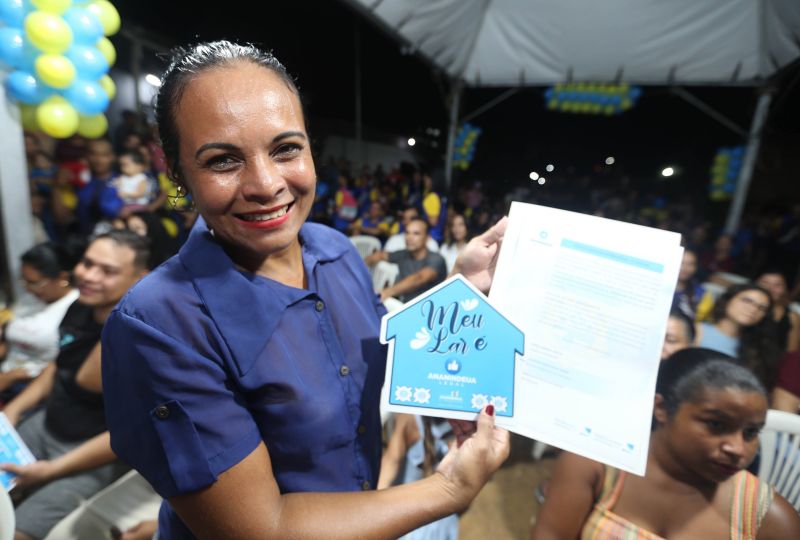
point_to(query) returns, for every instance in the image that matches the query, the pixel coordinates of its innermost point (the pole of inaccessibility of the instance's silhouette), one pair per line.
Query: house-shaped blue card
(450, 354)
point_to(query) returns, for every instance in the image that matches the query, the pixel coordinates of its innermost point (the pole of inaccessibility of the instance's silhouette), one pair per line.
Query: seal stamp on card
(451, 350)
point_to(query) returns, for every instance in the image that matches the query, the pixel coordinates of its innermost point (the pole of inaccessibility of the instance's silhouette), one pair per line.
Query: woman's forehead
(732, 401)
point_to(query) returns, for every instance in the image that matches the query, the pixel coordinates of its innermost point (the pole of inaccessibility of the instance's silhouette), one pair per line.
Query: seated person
(786, 394)
(680, 333)
(397, 240)
(420, 269)
(707, 416)
(68, 435)
(373, 224)
(30, 340)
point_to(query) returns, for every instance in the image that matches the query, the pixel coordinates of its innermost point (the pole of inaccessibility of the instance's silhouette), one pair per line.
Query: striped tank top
(751, 500)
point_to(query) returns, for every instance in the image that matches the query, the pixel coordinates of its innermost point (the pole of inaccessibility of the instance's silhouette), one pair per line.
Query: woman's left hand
(38, 472)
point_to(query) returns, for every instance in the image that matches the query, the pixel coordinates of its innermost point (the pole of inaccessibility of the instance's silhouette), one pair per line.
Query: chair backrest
(7, 520)
(780, 455)
(384, 275)
(366, 245)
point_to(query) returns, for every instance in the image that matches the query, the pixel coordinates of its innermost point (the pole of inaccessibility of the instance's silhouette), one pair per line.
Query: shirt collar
(245, 307)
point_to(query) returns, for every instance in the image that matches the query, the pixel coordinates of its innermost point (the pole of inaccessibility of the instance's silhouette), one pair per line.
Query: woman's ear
(659, 410)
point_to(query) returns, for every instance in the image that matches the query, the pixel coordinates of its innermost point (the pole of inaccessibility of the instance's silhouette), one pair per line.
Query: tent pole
(455, 101)
(749, 162)
(15, 203)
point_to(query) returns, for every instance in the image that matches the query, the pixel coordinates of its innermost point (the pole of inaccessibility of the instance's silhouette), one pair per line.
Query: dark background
(403, 96)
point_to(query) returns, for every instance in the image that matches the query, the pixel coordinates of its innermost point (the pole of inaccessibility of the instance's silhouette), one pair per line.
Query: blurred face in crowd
(416, 236)
(688, 266)
(775, 284)
(408, 215)
(101, 157)
(245, 158)
(376, 210)
(676, 338)
(105, 273)
(44, 288)
(458, 228)
(129, 167)
(748, 308)
(715, 435)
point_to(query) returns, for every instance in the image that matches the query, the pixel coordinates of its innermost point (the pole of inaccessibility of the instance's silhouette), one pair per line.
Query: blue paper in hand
(451, 350)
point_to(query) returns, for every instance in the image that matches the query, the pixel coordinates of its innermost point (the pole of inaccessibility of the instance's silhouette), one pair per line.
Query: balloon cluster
(725, 172)
(58, 56)
(465, 146)
(592, 98)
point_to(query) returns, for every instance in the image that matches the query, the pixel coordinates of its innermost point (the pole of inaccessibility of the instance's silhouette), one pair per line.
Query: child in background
(417, 445)
(135, 186)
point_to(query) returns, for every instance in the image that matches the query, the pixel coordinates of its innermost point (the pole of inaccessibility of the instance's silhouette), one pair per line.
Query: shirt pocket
(185, 455)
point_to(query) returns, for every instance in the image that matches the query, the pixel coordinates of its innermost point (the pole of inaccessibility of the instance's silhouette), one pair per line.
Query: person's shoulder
(159, 291)
(327, 240)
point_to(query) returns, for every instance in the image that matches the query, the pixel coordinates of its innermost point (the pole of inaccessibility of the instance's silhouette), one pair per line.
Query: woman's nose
(262, 179)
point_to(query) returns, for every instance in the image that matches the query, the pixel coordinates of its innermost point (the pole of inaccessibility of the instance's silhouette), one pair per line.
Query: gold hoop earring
(63, 283)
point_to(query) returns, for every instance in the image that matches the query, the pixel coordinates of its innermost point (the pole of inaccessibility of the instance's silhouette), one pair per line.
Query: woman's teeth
(264, 217)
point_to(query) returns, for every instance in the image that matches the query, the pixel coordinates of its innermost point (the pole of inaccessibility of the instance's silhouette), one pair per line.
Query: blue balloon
(26, 88)
(549, 93)
(11, 46)
(12, 12)
(87, 97)
(89, 62)
(635, 92)
(86, 27)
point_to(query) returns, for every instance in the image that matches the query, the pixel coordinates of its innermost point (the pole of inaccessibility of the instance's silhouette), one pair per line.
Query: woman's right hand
(478, 453)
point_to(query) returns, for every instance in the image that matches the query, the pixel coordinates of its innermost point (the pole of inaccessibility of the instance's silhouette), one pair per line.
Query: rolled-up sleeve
(172, 412)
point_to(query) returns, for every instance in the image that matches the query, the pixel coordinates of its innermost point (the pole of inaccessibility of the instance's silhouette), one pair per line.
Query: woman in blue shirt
(242, 377)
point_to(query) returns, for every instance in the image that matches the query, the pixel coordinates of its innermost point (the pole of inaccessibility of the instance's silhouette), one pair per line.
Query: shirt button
(344, 371)
(365, 485)
(362, 429)
(320, 305)
(162, 412)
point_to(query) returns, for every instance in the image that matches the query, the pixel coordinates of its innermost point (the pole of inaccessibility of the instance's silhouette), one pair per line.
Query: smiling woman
(242, 377)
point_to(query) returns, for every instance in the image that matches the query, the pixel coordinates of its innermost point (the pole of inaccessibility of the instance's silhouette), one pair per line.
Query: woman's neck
(284, 266)
(729, 328)
(64, 291)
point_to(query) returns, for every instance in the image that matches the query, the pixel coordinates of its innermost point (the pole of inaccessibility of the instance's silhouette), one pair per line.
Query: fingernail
(490, 410)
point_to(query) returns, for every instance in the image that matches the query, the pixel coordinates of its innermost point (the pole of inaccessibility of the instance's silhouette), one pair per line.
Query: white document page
(592, 297)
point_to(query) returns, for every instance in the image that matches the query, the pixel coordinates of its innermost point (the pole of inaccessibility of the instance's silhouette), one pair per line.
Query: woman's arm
(396, 450)
(781, 522)
(33, 394)
(793, 343)
(570, 497)
(783, 400)
(245, 502)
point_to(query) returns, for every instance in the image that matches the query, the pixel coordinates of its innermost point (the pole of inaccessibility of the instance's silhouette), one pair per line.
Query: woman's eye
(221, 163)
(715, 425)
(751, 434)
(288, 150)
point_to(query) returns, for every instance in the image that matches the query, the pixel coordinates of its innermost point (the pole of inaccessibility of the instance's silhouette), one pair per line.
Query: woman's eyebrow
(287, 134)
(214, 146)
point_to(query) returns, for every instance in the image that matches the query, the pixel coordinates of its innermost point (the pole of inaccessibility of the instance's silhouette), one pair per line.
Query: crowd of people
(240, 378)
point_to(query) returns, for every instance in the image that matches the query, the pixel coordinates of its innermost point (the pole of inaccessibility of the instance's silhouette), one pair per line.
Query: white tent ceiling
(541, 42)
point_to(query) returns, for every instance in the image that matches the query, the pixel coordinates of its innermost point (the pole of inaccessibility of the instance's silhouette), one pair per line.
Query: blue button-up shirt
(202, 362)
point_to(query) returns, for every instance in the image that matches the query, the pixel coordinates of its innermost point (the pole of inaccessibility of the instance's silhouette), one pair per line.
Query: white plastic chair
(7, 520)
(366, 245)
(384, 275)
(780, 455)
(398, 241)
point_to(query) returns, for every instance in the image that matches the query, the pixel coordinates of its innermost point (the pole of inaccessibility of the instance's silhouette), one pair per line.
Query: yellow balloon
(27, 115)
(52, 6)
(92, 126)
(107, 50)
(108, 15)
(48, 33)
(107, 83)
(57, 117)
(55, 70)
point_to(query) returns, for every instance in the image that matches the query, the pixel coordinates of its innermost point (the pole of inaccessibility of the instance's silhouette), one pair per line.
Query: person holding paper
(707, 416)
(242, 376)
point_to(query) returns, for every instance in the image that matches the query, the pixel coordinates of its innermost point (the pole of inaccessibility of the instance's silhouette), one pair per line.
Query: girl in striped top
(707, 416)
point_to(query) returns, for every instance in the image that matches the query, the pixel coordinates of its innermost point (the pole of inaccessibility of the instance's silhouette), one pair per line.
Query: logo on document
(453, 366)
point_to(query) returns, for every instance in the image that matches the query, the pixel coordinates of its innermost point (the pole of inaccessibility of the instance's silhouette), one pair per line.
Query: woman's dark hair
(448, 235)
(686, 374)
(51, 258)
(676, 313)
(162, 245)
(185, 64)
(758, 344)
